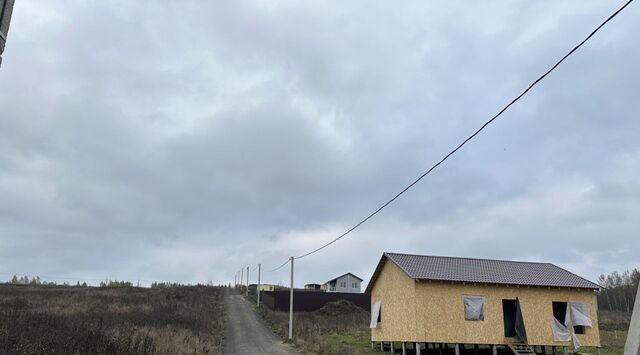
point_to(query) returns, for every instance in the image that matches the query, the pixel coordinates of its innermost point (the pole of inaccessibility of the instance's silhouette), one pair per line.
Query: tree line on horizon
(37, 281)
(618, 290)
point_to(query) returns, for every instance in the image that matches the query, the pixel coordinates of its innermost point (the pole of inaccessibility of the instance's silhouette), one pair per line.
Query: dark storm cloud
(181, 141)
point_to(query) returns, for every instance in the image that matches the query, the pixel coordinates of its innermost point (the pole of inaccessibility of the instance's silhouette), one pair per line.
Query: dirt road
(246, 334)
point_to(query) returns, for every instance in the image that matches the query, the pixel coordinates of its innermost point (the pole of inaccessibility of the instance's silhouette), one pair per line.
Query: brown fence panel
(306, 301)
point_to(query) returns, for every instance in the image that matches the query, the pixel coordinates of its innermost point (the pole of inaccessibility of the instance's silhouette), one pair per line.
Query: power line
(279, 267)
(466, 140)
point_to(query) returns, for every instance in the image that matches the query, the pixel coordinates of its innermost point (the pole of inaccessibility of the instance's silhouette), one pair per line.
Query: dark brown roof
(442, 268)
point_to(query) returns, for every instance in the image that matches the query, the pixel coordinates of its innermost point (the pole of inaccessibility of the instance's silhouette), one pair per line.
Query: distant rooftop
(443, 268)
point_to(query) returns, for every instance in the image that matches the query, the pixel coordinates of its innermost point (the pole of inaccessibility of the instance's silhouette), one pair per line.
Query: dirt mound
(339, 308)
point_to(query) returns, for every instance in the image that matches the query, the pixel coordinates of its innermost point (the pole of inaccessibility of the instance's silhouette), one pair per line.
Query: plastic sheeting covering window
(473, 308)
(577, 315)
(375, 313)
(580, 314)
(560, 331)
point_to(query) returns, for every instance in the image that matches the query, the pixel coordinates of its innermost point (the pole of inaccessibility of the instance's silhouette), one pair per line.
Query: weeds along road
(246, 334)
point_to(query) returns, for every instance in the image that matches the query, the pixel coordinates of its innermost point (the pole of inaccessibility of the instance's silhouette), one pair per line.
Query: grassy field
(128, 320)
(337, 328)
(613, 332)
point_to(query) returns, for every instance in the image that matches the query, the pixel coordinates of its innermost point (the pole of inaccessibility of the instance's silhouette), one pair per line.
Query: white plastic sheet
(580, 314)
(473, 308)
(560, 331)
(576, 342)
(375, 313)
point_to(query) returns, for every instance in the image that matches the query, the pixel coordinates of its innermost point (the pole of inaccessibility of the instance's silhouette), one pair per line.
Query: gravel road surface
(246, 334)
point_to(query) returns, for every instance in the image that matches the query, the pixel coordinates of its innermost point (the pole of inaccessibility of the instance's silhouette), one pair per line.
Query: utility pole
(241, 278)
(6, 9)
(291, 303)
(632, 346)
(258, 287)
(247, 281)
(235, 280)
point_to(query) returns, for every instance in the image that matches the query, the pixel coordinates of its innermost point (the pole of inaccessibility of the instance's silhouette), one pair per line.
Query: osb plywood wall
(396, 291)
(434, 311)
(440, 312)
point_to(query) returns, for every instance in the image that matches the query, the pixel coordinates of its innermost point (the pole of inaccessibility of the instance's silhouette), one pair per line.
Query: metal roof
(443, 268)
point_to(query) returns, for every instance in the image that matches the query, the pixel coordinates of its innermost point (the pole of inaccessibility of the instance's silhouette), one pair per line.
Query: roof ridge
(480, 259)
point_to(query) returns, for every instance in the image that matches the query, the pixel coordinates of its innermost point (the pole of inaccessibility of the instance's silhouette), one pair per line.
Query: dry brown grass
(69, 320)
(613, 332)
(337, 328)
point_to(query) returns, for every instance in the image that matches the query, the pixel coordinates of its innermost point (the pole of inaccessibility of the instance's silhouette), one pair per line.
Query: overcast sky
(184, 140)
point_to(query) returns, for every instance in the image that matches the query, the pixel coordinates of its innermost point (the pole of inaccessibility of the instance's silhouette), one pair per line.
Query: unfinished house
(445, 304)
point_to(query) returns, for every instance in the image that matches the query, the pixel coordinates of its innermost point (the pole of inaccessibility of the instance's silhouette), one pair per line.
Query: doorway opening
(509, 311)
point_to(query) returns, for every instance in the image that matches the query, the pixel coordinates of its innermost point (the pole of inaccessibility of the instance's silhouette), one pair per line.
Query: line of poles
(239, 280)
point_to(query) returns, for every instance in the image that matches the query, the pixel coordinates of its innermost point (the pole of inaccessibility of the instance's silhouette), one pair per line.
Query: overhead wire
(279, 267)
(475, 133)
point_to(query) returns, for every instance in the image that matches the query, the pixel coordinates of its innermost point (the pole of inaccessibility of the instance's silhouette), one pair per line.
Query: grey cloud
(183, 141)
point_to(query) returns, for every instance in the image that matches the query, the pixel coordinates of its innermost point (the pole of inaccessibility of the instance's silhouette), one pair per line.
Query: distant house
(417, 300)
(266, 287)
(348, 283)
(313, 287)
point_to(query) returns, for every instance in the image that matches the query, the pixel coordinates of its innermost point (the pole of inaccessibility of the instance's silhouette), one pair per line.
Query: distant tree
(619, 290)
(115, 283)
(14, 279)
